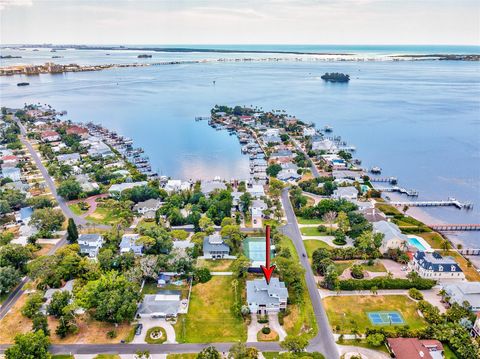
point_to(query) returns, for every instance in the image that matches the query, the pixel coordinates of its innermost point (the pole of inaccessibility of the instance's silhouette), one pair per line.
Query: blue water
(419, 121)
(415, 242)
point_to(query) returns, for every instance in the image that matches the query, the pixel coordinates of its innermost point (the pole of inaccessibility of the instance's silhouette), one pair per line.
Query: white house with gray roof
(129, 244)
(150, 205)
(164, 304)
(214, 247)
(434, 266)
(349, 193)
(116, 190)
(393, 238)
(69, 158)
(263, 298)
(207, 187)
(460, 292)
(90, 244)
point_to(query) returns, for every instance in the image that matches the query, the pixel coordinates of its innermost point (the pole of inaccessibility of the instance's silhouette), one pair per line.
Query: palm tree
(446, 245)
(234, 285)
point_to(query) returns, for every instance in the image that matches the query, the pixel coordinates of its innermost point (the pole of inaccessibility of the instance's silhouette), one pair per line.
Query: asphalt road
(324, 342)
(314, 169)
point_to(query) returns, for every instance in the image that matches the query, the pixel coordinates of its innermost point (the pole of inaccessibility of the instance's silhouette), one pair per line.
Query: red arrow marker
(267, 269)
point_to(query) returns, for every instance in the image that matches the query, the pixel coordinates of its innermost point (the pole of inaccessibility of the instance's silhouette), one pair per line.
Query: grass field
(217, 265)
(469, 270)
(387, 209)
(448, 353)
(103, 215)
(346, 316)
(182, 356)
(363, 343)
(311, 231)
(75, 208)
(302, 220)
(340, 266)
(432, 238)
(312, 244)
(209, 317)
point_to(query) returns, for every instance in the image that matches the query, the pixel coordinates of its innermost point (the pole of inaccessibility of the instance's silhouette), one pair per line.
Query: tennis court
(386, 318)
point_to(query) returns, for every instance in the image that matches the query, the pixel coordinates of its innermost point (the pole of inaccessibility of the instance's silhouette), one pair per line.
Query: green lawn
(76, 209)
(107, 356)
(63, 356)
(363, 343)
(302, 220)
(346, 316)
(218, 265)
(375, 267)
(103, 215)
(160, 340)
(311, 231)
(182, 356)
(209, 317)
(312, 244)
(340, 266)
(432, 238)
(448, 353)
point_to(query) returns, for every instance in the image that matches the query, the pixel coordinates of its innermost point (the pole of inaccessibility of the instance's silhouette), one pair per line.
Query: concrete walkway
(221, 273)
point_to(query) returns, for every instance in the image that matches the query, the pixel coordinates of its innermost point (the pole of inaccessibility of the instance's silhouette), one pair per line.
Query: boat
(376, 170)
(328, 128)
(23, 84)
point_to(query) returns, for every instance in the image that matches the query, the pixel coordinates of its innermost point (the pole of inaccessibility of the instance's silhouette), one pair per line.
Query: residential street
(324, 342)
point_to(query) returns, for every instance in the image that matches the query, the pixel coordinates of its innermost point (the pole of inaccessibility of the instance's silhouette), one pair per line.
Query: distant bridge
(454, 227)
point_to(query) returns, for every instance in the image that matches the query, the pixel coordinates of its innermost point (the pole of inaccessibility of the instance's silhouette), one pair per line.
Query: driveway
(253, 328)
(395, 268)
(350, 351)
(275, 325)
(155, 322)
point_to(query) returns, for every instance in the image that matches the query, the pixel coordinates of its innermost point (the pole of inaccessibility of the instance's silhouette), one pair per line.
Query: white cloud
(5, 3)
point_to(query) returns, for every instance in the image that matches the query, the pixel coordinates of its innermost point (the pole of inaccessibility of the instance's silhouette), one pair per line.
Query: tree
(202, 275)
(446, 246)
(69, 189)
(72, 232)
(233, 237)
(179, 234)
(240, 266)
(66, 323)
(273, 170)
(209, 353)
(206, 225)
(47, 220)
(329, 218)
(375, 339)
(29, 346)
(15, 255)
(112, 298)
(32, 305)
(59, 301)
(40, 202)
(240, 351)
(245, 202)
(9, 277)
(39, 322)
(295, 344)
(357, 271)
(343, 222)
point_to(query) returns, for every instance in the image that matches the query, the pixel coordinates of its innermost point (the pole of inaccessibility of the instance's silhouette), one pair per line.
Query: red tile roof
(49, 133)
(413, 348)
(76, 130)
(9, 158)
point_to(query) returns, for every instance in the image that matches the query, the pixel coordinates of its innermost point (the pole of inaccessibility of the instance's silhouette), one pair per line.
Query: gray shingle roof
(260, 293)
(435, 262)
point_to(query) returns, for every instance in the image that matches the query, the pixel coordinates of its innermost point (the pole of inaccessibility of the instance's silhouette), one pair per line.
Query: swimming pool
(416, 243)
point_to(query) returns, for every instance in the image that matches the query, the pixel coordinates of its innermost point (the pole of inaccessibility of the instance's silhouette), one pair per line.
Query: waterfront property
(214, 247)
(263, 298)
(90, 244)
(464, 292)
(116, 190)
(393, 238)
(434, 266)
(348, 193)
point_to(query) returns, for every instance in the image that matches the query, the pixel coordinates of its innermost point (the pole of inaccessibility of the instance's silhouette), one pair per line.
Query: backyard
(210, 318)
(347, 318)
(312, 244)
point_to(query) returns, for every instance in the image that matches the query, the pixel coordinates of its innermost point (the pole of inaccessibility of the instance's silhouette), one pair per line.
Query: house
(272, 132)
(11, 172)
(98, 149)
(271, 139)
(326, 145)
(77, 130)
(23, 215)
(49, 136)
(348, 193)
(117, 189)
(256, 191)
(17, 185)
(393, 238)
(236, 198)
(287, 176)
(164, 304)
(86, 184)
(10, 160)
(214, 247)
(263, 298)
(68, 287)
(257, 208)
(282, 156)
(207, 187)
(336, 162)
(309, 131)
(90, 244)
(414, 348)
(434, 266)
(69, 159)
(373, 214)
(461, 292)
(129, 244)
(176, 185)
(150, 205)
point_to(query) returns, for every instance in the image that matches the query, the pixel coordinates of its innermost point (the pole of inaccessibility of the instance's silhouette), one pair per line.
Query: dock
(391, 180)
(408, 192)
(469, 251)
(454, 227)
(450, 202)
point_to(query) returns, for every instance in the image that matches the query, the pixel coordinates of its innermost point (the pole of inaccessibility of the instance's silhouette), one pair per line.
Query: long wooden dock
(449, 202)
(469, 251)
(408, 192)
(392, 180)
(454, 227)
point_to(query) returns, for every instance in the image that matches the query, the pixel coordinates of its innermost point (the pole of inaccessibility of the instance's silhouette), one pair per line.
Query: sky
(453, 22)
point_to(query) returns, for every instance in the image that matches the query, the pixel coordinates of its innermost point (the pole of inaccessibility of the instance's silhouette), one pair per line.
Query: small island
(10, 57)
(23, 84)
(144, 56)
(335, 77)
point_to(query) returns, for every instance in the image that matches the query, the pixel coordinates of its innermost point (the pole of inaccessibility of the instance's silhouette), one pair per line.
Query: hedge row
(386, 283)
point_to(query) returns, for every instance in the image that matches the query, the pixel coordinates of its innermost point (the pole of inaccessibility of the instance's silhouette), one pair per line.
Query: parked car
(138, 330)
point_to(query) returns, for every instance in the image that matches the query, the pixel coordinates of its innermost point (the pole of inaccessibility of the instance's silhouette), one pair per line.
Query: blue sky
(244, 22)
